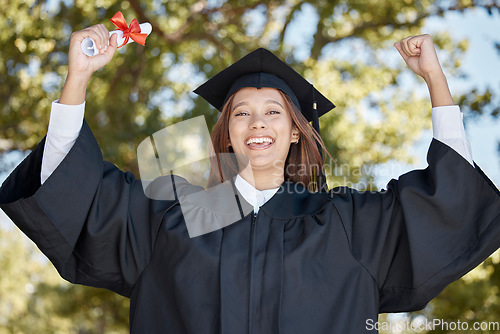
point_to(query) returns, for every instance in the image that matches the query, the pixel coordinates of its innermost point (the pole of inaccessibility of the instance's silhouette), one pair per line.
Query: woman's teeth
(260, 140)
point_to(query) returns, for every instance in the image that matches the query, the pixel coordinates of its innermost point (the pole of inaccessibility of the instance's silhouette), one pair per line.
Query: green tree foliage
(475, 299)
(379, 114)
(34, 299)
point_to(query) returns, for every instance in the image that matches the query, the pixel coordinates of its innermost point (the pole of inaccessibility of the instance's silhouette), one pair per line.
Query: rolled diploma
(90, 49)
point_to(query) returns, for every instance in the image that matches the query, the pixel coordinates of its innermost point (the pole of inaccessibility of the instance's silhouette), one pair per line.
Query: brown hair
(303, 162)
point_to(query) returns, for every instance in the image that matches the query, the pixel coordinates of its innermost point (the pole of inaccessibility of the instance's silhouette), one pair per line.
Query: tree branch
(320, 39)
(171, 38)
(289, 19)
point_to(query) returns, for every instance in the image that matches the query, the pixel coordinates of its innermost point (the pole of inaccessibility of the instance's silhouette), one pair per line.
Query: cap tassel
(322, 186)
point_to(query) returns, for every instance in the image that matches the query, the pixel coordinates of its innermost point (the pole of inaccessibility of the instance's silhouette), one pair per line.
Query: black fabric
(218, 88)
(260, 80)
(307, 263)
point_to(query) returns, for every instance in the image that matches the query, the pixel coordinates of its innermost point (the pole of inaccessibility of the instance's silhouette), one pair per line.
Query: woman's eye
(241, 113)
(273, 112)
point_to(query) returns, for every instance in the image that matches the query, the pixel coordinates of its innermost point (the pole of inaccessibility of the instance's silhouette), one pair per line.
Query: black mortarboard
(261, 68)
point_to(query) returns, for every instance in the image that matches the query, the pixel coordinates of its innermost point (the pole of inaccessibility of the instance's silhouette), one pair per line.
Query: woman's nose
(258, 123)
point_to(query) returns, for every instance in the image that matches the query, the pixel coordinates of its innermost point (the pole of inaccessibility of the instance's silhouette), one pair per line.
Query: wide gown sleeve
(90, 219)
(426, 230)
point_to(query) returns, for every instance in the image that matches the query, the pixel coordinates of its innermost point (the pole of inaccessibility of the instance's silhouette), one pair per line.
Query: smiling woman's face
(261, 128)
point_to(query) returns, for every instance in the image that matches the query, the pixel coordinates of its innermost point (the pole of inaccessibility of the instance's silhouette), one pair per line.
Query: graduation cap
(261, 68)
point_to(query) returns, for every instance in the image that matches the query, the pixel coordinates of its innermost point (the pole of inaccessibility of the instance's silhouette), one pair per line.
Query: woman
(301, 262)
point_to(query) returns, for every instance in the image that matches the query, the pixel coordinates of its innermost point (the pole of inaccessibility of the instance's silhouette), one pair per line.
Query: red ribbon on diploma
(134, 31)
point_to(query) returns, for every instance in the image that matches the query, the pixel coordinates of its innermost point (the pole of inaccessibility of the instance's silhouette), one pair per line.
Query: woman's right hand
(82, 65)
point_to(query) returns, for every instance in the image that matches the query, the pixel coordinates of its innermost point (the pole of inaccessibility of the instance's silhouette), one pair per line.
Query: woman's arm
(81, 66)
(419, 54)
(66, 116)
(91, 220)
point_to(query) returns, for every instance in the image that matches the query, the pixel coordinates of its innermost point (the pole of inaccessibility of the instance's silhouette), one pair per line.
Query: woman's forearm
(74, 89)
(439, 90)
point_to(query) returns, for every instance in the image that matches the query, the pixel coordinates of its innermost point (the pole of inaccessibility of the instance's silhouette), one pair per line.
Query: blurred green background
(379, 129)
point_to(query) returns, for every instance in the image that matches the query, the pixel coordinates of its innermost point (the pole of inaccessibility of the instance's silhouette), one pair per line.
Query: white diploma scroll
(90, 49)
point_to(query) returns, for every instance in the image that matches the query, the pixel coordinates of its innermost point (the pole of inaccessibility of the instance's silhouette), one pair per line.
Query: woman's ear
(295, 135)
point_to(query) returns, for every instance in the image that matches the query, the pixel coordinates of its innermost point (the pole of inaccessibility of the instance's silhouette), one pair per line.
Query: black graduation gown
(307, 263)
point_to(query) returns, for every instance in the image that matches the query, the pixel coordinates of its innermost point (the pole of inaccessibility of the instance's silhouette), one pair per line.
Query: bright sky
(482, 62)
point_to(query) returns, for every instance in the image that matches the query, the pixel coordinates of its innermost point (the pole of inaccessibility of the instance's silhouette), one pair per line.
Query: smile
(259, 142)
